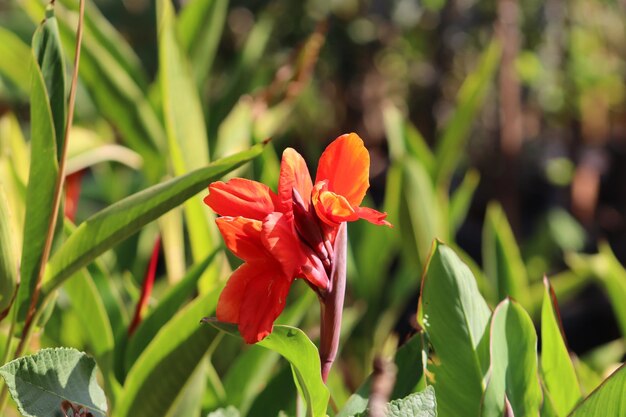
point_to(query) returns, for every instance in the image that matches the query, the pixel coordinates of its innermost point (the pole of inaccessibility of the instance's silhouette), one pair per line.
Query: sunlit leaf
(419, 404)
(557, 369)
(513, 371)
(456, 318)
(41, 382)
(295, 346)
(607, 400)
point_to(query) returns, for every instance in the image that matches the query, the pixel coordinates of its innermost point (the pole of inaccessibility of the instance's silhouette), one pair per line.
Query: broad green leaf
(251, 369)
(39, 383)
(456, 318)
(502, 261)
(95, 324)
(8, 255)
(200, 26)
(49, 54)
(165, 309)
(14, 54)
(184, 123)
(40, 192)
(418, 404)
(607, 400)
(410, 366)
(110, 226)
(292, 344)
(589, 379)
(513, 370)
(557, 369)
(157, 381)
(461, 199)
(449, 148)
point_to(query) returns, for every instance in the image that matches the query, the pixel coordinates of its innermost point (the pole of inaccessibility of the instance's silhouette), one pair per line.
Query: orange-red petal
(373, 216)
(345, 166)
(243, 237)
(293, 174)
(241, 197)
(229, 303)
(263, 301)
(330, 207)
(281, 241)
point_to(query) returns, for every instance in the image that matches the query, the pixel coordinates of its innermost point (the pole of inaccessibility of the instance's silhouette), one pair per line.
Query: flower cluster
(290, 234)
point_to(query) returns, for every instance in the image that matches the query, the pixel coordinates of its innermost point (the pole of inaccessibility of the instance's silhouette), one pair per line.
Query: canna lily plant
(299, 232)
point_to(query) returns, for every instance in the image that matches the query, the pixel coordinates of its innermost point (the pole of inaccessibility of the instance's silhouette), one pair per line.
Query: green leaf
(295, 346)
(49, 55)
(502, 261)
(200, 26)
(608, 399)
(157, 381)
(40, 192)
(39, 383)
(513, 371)
(8, 255)
(449, 148)
(557, 370)
(456, 318)
(14, 54)
(164, 311)
(461, 199)
(184, 124)
(110, 226)
(419, 404)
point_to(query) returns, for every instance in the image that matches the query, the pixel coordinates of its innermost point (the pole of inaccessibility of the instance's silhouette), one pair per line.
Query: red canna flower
(290, 234)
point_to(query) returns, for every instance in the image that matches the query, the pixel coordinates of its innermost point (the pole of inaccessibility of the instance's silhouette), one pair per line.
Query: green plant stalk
(27, 331)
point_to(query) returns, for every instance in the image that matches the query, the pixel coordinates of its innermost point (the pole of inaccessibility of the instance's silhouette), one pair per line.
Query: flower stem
(332, 304)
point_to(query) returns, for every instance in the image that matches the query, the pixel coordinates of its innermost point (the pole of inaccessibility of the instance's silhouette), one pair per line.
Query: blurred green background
(496, 126)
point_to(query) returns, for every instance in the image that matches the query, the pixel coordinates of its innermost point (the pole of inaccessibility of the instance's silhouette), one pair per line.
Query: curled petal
(243, 237)
(263, 301)
(345, 165)
(332, 208)
(373, 216)
(241, 197)
(294, 174)
(281, 241)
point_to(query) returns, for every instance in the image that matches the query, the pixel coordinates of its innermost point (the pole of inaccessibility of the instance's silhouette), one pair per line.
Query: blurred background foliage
(496, 126)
